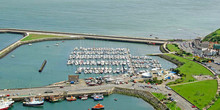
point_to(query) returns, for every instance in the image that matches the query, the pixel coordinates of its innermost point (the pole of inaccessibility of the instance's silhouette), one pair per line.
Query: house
(74, 78)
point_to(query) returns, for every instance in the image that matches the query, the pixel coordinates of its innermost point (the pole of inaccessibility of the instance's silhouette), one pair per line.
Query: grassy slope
(171, 106)
(190, 68)
(199, 93)
(172, 48)
(214, 36)
(38, 36)
(159, 95)
(216, 105)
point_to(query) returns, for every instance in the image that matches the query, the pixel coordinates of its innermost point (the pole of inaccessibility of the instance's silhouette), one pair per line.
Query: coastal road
(181, 102)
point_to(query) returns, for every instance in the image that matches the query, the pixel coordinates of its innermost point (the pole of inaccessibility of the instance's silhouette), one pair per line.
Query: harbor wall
(145, 95)
(77, 34)
(10, 48)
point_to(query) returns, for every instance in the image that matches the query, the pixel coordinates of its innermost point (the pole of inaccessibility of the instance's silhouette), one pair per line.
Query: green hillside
(214, 36)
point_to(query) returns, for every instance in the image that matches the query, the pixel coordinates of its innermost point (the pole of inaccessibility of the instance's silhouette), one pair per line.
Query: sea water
(7, 38)
(160, 18)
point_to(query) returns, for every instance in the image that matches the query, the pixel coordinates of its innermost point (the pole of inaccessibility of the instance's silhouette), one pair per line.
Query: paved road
(182, 103)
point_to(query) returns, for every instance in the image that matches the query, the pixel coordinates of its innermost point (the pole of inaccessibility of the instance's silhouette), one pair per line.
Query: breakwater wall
(71, 36)
(172, 60)
(145, 95)
(77, 34)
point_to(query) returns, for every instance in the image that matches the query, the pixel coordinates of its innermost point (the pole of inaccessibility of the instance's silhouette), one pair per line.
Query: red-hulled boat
(98, 107)
(71, 98)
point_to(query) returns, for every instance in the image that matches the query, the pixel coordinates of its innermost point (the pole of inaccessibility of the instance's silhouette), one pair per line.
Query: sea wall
(172, 60)
(145, 95)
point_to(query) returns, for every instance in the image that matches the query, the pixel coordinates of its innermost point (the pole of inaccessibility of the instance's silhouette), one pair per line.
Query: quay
(78, 90)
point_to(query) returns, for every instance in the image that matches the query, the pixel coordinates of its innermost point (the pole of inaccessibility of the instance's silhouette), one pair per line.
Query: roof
(216, 46)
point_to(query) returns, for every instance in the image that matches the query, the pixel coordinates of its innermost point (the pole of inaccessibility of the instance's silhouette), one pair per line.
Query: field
(39, 36)
(216, 105)
(159, 95)
(173, 47)
(171, 105)
(190, 68)
(199, 93)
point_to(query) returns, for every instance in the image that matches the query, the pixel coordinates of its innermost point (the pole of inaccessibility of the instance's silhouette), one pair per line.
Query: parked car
(168, 87)
(48, 91)
(193, 106)
(171, 99)
(169, 94)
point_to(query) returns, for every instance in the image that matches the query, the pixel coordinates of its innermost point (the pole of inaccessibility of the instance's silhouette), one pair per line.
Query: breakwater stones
(145, 95)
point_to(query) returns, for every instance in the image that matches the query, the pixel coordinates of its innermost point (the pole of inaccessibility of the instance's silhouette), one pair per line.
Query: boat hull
(98, 99)
(6, 108)
(33, 105)
(71, 99)
(98, 108)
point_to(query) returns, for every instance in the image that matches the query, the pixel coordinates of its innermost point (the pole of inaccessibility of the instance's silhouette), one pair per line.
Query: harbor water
(141, 18)
(7, 38)
(123, 103)
(27, 60)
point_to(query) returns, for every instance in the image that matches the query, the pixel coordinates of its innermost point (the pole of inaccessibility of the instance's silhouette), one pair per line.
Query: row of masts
(109, 60)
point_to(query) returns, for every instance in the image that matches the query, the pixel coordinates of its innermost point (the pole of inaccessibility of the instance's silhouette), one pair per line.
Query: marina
(28, 72)
(109, 61)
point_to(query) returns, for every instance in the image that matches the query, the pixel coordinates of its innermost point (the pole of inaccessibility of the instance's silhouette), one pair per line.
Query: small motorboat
(55, 99)
(12, 56)
(115, 99)
(3, 106)
(84, 98)
(71, 98)
(30, 44)
(33, 102)
(98, 97)
(85, 95)
(98, 107)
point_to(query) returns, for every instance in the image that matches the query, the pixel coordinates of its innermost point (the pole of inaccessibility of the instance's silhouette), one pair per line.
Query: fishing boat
(55, 99)
(71, 98)
(5, 103)
(85, 95)
(98, 107)
(84, 98)
(33, 102)
(3, 106)
(98, 97)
